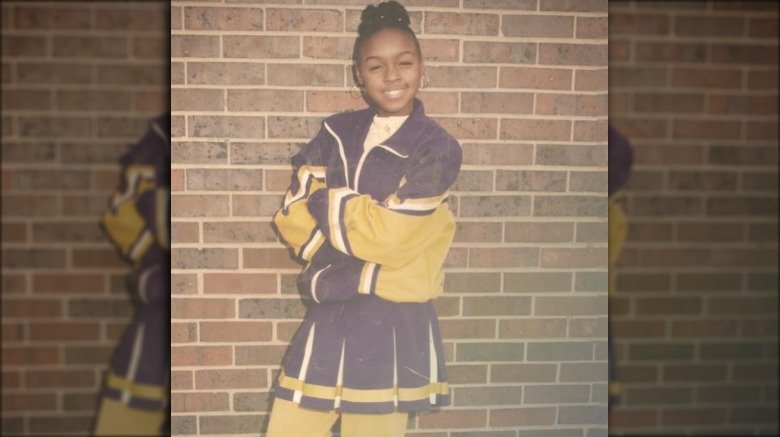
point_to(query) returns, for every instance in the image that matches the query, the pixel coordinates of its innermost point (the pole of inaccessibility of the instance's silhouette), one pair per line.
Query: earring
(425, 81)
(357, 91)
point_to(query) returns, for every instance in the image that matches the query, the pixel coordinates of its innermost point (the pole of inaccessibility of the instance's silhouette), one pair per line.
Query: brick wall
(521, 83)
(694, 86)
(79, 83)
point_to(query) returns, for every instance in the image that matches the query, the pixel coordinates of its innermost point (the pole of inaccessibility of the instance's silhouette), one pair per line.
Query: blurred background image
(693, 87)
(81, 82)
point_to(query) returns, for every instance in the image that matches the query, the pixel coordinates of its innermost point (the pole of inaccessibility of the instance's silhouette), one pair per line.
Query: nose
(391, 74)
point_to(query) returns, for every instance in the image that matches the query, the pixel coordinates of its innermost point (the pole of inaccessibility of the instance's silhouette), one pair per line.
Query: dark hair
(385, 15)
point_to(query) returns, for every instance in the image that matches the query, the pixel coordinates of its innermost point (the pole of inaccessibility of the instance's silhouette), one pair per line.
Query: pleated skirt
(367, 355)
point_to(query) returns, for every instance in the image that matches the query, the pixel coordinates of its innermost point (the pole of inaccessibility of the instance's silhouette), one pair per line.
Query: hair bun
(385, 14)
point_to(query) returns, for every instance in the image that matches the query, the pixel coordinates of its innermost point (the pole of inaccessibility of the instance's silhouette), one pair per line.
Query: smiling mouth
(394, 94)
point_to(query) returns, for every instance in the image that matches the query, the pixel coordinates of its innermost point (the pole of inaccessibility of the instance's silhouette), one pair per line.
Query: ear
(356, 75)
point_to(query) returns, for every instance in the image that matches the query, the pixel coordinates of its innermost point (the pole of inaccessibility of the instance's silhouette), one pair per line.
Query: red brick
(200, 308)
(31, 356)
(200, 205)
(573, 54)
(478, 232)
(223, 18)
(505, 103)
(742, 105)
(262, 204)
(762, 27)
(641, 282)
(114, 19)
(461, 76)
(182, 380)
(260, 46)
(64, 331)
(591, 80)
(457, 419)
(535, 78)
(694, 416)
(201, 356)
(702, 181)
(305, 75)
(573, 5)
(619, 51)
(27, 402)
(469, 128)
(440, 102)
(333, 101)
(194, 402)
(712, 26)
(633, 419)
(522, 417)
(632, 77)
(633, 24)
(24, 46)
(188, 99)
(762, 130)
(27, 100)
(184, 332)
(97, 258)
(304, 20)
(59, 73)
(67, 283)
(706, 78)
(744, 54)
(437, 50)
(461, 23)
(268, 259)
(225, 73)
(497, 154)
(286, 329)
(581, 105)
(532, 328)
(670, 52)
(303, 128)
(527, 5)
(239, 283)
(539, 130)
(32, 308)
(499, 52)
(195, 46)
(762, 80)
(582, 306)
(546, 26)
(708, 231)
(36, 17)
(230, 378)
(503, 257)
(14, 233)
(568, 206)
(235, 331)
(592, 27)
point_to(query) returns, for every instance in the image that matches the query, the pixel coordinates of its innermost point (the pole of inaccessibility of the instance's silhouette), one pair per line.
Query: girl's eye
(406, 63)
(374, 67)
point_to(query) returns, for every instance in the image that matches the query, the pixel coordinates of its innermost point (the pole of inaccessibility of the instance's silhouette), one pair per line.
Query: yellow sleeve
(391, 234)
(295, 224)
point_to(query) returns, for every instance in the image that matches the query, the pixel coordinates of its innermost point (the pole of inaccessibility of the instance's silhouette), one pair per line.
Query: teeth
(394, 93)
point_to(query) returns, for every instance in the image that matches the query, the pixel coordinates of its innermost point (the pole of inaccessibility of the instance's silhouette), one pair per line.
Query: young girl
(366, 209)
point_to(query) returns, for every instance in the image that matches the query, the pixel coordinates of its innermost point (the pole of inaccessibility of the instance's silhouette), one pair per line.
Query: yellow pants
(116, 418)
(290, 420)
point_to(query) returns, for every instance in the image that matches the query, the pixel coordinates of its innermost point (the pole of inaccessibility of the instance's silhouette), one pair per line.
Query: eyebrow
(396, 56)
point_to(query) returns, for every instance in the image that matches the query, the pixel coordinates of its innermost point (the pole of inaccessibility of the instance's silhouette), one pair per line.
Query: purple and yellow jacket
(376, 221)
(137, 222)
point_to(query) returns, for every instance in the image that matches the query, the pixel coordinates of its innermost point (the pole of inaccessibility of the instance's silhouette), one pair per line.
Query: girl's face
(390, 69)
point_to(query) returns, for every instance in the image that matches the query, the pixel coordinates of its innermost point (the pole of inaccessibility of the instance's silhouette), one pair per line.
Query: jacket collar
(352, 128)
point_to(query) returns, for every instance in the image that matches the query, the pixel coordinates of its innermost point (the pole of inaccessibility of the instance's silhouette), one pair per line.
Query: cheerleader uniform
(134, 397)
(367, 211)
